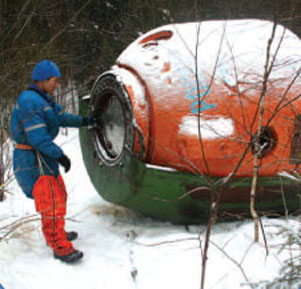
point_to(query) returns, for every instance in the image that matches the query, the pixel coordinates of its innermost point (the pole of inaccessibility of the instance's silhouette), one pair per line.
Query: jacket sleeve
(68, 119)
(36, 131)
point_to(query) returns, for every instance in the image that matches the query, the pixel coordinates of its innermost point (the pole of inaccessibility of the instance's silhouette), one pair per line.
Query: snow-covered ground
(126, 250)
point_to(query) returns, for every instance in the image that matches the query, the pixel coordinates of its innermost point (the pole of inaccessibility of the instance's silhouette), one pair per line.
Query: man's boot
(71, 236)
(73, 257)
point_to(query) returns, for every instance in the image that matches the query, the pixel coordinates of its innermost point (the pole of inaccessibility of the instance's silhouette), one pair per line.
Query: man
(35, 122)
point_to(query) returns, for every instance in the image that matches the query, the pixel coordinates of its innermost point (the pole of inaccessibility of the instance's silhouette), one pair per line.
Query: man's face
(50, 85)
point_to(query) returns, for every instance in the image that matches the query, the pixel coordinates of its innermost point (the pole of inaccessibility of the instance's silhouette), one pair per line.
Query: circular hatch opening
(114, 132)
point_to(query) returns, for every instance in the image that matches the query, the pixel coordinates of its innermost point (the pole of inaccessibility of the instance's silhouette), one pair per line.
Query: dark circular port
(114, 132)
(266, 141)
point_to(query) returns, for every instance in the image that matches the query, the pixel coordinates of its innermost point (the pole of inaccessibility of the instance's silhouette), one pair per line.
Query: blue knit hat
(44, 70)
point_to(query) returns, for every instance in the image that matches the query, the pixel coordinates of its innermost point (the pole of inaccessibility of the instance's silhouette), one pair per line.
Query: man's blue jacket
(35, 121)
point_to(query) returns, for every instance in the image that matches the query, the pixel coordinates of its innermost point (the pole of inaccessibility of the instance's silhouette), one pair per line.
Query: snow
(161, 168)
(127, 78)
(126, 250)
(213, 128)
(223, 47)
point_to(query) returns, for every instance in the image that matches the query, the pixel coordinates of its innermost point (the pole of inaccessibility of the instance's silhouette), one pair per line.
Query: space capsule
(187, 107)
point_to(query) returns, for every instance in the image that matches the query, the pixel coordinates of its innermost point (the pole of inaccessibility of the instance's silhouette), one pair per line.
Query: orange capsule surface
(207, 97)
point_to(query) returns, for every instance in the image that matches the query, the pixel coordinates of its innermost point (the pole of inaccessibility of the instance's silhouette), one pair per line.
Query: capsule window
(154, 38)
(267, 140)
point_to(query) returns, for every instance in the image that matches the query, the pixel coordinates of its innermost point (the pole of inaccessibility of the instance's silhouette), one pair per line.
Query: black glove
(86, 121)
(91, 121)
(65, 162)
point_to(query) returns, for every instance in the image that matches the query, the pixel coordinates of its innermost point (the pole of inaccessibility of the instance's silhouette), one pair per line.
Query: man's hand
(93, 121)
(65, 162)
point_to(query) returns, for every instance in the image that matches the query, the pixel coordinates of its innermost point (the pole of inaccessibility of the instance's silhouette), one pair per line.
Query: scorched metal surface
(179, 114)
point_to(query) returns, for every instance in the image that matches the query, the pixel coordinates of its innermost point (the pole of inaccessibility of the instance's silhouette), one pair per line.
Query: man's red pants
(50, 200)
